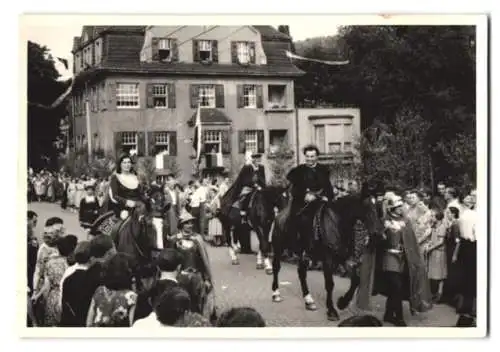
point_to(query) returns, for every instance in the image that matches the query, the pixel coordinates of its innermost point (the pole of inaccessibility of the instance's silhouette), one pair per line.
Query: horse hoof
(235, 262)
(311, 306)
(259, 266)
(332, 315)
(342, 303)
(269, 271)
(277, 298)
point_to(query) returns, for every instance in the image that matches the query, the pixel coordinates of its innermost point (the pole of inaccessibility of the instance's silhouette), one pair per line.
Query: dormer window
(205, 50)
(165, 49)
(243, 53)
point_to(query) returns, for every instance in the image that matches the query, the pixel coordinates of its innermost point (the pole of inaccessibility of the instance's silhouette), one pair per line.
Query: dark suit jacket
(304, 178)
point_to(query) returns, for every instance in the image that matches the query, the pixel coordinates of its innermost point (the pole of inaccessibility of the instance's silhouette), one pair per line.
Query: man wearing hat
(196, 275)
(89, 208)
(251, 177)
(402, 274)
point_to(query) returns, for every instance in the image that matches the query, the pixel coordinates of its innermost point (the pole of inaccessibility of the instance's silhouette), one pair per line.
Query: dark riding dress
(119, 194)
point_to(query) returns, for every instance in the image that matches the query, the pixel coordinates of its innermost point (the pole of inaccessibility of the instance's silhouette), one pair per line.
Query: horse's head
(157, 200)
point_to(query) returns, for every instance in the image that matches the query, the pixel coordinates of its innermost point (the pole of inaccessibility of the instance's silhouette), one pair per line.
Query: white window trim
(161, 95)
(209, 48)
(326, 123)
(138, 96)
(245, 94)
(251, 137)
(243, 52)
(217, 140)
(163, 143)
(212, 89)
(134, 144)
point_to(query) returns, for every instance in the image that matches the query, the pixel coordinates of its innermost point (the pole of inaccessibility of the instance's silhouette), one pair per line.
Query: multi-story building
(143, 85)
(336, 132)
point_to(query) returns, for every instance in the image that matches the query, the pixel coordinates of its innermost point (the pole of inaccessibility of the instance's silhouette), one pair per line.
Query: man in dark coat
(310, 185)
(250, 178)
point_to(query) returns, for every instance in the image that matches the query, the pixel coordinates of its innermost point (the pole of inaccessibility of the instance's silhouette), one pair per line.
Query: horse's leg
(344, 301)
(328, 269)
(266, 248)
(302, 271)
(226, 230)
(278, 250)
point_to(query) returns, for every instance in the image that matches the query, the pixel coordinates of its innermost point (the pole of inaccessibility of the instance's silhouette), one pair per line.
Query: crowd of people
(89, 283)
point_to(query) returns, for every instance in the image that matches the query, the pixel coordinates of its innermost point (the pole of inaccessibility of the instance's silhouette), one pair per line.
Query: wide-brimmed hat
(185, 217)
(256, 155)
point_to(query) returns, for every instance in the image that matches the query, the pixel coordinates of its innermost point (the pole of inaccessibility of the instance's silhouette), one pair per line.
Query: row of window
(89, 56)
(214, 141)
(334, 138)
(163, 95)
(166, 50)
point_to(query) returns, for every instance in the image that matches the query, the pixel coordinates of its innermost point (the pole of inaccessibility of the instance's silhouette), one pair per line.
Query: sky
(59, 39)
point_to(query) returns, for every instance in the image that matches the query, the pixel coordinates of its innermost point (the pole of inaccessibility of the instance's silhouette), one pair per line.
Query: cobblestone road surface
(243, 285)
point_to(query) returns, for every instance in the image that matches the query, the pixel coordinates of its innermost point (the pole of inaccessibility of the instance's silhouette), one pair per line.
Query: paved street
(243, 285)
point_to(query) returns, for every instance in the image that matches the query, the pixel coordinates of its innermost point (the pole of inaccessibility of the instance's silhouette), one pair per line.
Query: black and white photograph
(317, 173)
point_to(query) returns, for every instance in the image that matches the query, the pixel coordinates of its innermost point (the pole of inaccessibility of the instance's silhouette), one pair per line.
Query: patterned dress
(112, 308)
(54, 271)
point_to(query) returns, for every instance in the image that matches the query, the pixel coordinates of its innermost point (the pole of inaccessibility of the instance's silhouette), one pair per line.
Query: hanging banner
(297, 57)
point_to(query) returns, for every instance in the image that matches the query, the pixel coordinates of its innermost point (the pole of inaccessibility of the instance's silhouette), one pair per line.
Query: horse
(260, 216)
(331, 247)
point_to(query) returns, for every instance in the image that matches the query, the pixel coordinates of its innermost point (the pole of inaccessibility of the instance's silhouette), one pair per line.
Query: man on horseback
(251, 177)
(310, 186)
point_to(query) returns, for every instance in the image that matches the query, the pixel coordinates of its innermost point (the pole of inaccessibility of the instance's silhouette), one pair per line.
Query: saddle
(108, 224)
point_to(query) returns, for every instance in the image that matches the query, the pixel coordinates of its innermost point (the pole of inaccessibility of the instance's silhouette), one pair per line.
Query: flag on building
(197, 140)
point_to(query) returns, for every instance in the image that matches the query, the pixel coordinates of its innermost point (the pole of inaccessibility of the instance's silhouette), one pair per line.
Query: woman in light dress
(71, 194)
(212, 207)
(80, 192)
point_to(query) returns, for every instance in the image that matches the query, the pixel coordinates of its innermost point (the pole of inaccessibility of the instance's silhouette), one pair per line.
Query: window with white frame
(206, 95)
(213, 141)
(129, 141)
(127, 95)
(249, 96)
(319, 137)
(251, 141)
(165, 49)
(97, 52)
(277, 96)
(243, 52)
(162, 140)
(205, 49)
(160, 96)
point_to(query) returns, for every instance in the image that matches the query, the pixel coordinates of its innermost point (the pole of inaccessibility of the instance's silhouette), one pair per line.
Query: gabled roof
(269, 33)
(123, 56)
(210, 116)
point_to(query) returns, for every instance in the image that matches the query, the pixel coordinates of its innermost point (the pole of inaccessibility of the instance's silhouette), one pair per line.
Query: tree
(76, 163)
(281, 161)
(429, 67)
(43, 123)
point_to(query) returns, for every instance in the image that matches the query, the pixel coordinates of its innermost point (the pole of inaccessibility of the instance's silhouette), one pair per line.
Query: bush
(77, 164)
(281, 161)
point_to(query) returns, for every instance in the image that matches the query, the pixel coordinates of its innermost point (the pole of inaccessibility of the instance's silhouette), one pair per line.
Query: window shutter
(226, 144)
(155, 54)
(219, 95)
(260, 141)
(149, 96)
(118, 144)
(102, 93)
(151, 143)
(141, 144)
(252, 52)
(258, 92)
(215, 51)
(171, 95)
(234, 52)
(172, 143)
(92, 60)
(194, 95)
(111, 96)
(240, 102)
(175, 50)
(196, 52)
(241, 142)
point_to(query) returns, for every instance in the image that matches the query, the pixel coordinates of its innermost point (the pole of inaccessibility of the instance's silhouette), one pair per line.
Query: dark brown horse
(260, 216)
(333, 227)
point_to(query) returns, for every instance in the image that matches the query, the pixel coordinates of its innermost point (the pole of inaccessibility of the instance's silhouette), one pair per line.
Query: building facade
(143, 86)
(335, 131)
